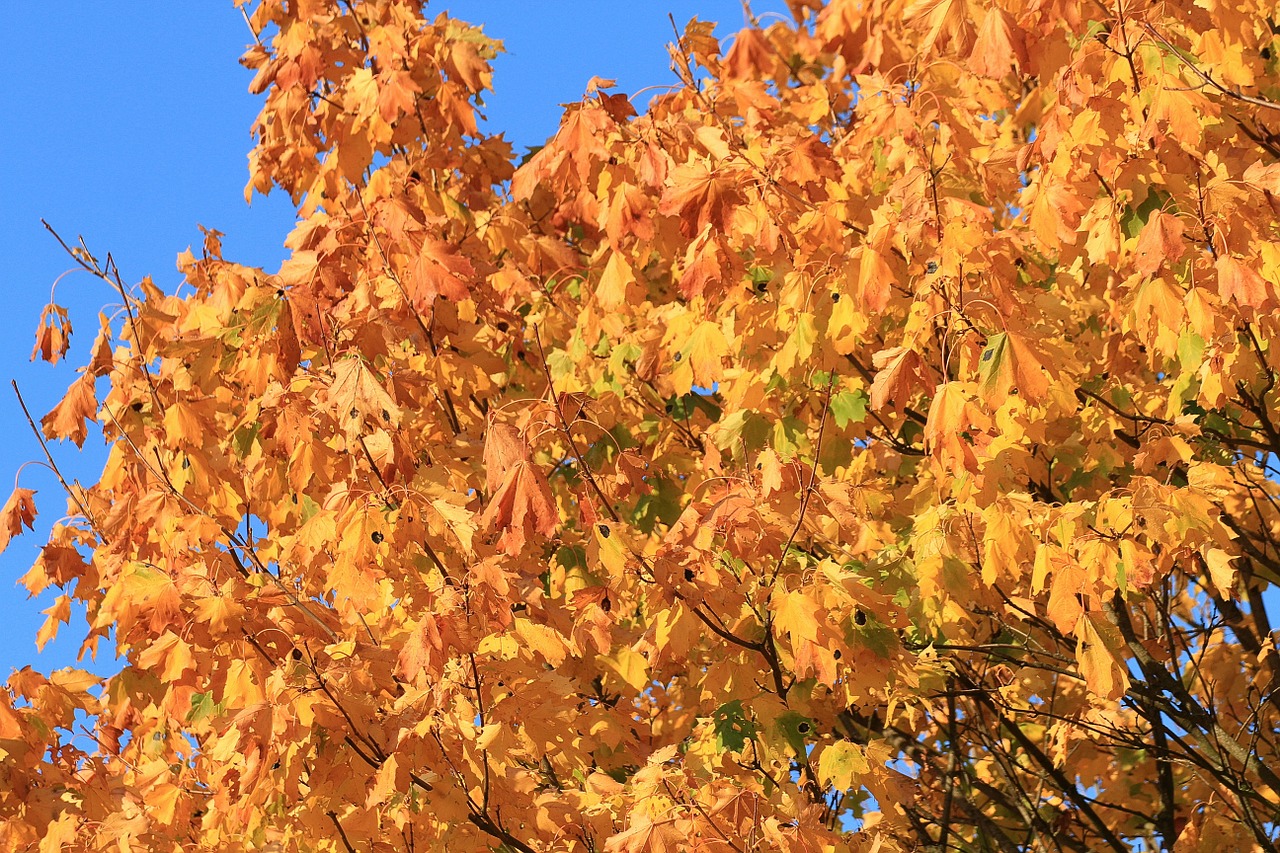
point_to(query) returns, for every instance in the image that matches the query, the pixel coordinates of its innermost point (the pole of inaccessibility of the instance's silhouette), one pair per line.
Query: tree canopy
(868, 445)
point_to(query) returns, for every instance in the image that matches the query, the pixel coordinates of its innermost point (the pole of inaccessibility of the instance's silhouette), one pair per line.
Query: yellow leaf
(611, 292)
(543, 641)
(700, 360)
(1221, 571)
(610, 549)
(630, 666)
(387, 781)
(842, 764)
(356, 394)
(1101, 666)
(795, 613)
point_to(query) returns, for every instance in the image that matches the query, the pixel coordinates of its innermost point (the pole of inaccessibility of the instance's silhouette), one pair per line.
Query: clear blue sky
(129, 123)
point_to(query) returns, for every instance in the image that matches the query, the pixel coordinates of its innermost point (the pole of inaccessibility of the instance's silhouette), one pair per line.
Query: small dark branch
(1267, 142)
(721, 632)
(1066, 786)
(346, 842)
(1128, 51)
(44, 445)
(813, 479)
(1137, 418)
(111, 275)
(487, 825)
(373, 466)
(953, 764)
(708, 818)
(568, 434)
(1207, 78)
(355, 729)
(452, 412)
(1105, 186)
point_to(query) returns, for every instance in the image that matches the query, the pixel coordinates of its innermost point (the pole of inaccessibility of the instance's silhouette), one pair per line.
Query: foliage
(869, 446)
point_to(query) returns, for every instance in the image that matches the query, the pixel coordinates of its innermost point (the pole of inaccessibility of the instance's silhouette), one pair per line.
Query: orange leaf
(53, 335)
(521, 503)
(67, 419)
(20, 509)
(1240, 282)
(901, 372)
(439, 271)
(1159, 242)
(700, 196)
(1000, 45)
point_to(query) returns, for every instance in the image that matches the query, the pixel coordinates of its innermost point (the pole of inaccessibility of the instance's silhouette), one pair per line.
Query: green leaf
(732, 727)
(202, 707)
(242, 439)
(1190, 350)
(794, 729)
(309, 508)
(1133, 219)
(849, 407)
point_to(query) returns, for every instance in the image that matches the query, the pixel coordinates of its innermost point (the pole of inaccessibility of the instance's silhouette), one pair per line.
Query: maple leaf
(794, 614)
(396, 94)
(53, 334)
(68, 418)
(700, 196)
(20, 509)
(1160, 242)
(438, 271)
(1240, 282)
(520, 502)
(955, 427)
(900, 374)
(1000, 45)
(942, 20)
(356, 395)
(646, 835)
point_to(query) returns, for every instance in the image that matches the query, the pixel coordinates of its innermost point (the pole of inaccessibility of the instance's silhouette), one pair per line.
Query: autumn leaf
(1000, 45)
(900, 372)
(521, 503)
(699, 195)
(1240, 282)
(647, 836)
(356, 396)
(1160, 242)
(68, 418)
(438, 271)
(53, 334)
(841, 764)
(19, 510)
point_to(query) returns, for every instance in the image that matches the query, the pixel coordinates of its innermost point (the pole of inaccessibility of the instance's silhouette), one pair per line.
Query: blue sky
(128, 123)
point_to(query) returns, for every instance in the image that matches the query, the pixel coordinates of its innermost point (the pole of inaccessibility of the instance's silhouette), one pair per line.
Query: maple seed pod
(689, 575)
(376, 537)
(859, 617)
(931, 268)
(836, 654)
(604, 530)
(605, 604)
(835, 297)
(678, 356)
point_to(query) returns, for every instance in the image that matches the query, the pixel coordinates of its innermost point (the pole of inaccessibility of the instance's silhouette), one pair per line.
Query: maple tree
(871, 445)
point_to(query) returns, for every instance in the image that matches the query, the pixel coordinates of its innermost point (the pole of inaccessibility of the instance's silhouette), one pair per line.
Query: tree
(871, 446)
